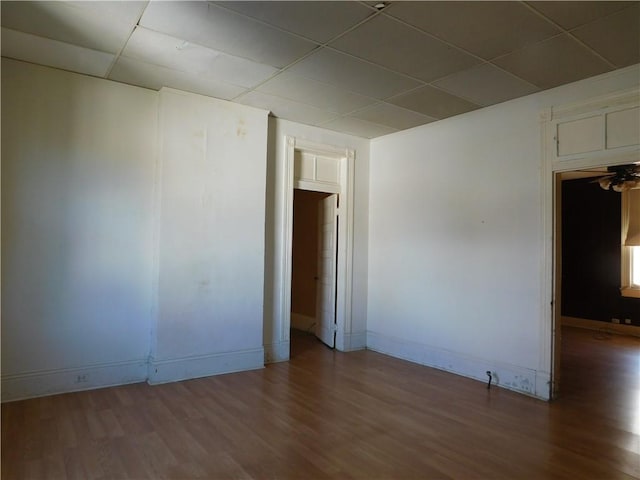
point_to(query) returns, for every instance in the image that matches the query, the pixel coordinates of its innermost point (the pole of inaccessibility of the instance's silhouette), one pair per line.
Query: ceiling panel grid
(355, 67)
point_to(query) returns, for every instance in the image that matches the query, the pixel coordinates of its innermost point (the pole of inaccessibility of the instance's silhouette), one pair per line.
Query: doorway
(593, 133)
(588, 261)
(314, 266)
(575, 250)
(327, 169)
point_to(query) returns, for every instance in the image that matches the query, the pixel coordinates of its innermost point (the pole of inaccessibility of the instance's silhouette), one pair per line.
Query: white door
(326, 277)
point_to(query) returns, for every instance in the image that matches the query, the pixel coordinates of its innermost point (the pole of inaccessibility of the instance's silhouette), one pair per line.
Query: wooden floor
(327, 414)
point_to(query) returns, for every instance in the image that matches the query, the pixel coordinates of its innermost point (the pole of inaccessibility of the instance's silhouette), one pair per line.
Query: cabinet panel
(304, 166)
(328, 170)
(581, 136)
(623, 128)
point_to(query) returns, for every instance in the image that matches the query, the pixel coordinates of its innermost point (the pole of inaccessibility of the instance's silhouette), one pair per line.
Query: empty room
(320, 239)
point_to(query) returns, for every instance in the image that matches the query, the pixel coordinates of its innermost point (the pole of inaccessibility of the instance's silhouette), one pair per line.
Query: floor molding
(302, 322)
(522, 380)
(617, 328)
(50, 382)
(277, 352)
(176, 369)
(355, 341)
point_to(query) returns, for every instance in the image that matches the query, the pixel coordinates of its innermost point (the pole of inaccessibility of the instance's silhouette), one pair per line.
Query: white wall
(456, 250)
(276, 340)
(211, 237)
(116, 269)
(97, 276)
(77, 194)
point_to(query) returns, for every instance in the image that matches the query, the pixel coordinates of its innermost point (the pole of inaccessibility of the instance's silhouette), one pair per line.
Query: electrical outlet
(82, 378)
(615, 320)
(627, 321)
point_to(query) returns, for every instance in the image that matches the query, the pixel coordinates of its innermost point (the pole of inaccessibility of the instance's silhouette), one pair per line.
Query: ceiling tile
(312, 92)
(319, 21)
(553, 62)
(352, 74)
(103, 26)
(389, 43)
(616, 37)
(128, 11)
(177, 54)
(212, 26)
(575, 13)
(433, 102)
(487, 29)
(370, 81)
(52, 53)
(357, 127)
(392, 116)
(134, 72)
(485, 85)
(288, 109)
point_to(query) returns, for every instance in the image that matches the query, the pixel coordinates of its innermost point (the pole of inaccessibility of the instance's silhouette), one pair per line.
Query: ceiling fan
(621, 178)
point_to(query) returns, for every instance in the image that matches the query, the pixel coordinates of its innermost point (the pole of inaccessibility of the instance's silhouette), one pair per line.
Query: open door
(326, 277)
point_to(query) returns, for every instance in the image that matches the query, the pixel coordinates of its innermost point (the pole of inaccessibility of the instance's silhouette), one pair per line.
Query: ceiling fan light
(623, 178)
(605, 183)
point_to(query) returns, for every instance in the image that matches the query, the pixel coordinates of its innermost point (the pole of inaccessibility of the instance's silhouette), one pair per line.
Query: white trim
(630, 292)
(287, 244)
(345, 251)
(316, 186)
(186, 368)
(345, 236)
(277, 352)
(611, 101)
(547, 292)
(49, 382)
(511, 377)
(355, 341)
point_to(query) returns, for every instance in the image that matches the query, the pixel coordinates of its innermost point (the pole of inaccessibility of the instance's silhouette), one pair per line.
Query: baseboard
(302, 322)
(511, 377)
(277, 352)
(50, 382)
(354, 341)
(184, 368)
(617, 328)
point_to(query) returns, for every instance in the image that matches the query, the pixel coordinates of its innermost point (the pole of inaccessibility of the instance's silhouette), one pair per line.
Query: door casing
(552, 167)
(344, 278)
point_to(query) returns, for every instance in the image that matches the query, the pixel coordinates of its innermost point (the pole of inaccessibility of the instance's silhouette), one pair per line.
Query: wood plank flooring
(327, 414)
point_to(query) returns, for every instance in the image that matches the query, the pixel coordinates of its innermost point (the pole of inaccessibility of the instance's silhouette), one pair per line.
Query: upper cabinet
(606, 127)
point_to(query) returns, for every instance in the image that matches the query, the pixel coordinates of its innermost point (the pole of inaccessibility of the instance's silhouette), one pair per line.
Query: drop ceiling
(346, 66)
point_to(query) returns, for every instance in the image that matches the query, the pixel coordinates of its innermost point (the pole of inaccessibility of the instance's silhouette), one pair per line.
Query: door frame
(551, 217)
(344, 280)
